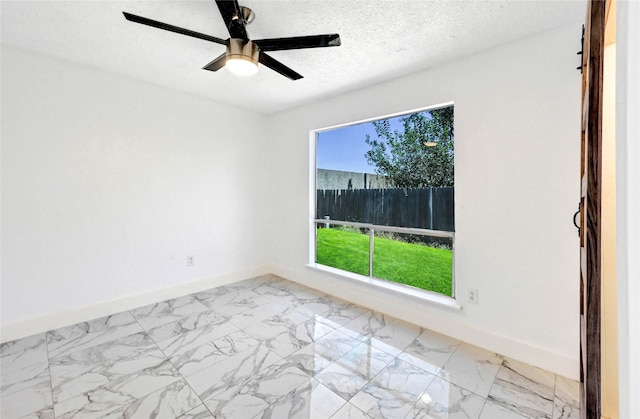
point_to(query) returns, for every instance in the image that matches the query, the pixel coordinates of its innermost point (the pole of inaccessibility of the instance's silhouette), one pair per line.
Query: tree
(406, 159)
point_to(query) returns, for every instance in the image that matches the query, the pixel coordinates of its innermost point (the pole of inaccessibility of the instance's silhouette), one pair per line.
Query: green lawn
(417, 265)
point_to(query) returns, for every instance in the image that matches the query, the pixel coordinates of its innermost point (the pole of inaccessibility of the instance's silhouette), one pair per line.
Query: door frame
(591, 211)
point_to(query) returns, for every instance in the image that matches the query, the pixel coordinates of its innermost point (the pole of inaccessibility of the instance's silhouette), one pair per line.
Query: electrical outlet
(472, 295)
(189, 260)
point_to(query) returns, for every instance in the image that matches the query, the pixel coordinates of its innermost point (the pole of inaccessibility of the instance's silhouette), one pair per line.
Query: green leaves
(405, 159)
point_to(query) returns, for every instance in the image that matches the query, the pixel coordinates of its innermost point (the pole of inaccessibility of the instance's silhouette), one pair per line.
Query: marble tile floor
(267, 348)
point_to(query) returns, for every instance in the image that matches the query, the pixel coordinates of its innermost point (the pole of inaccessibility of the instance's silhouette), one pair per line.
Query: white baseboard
(458, 328)
(40, 324)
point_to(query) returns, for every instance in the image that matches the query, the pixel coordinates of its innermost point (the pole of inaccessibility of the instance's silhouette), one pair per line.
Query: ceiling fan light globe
(242, 67)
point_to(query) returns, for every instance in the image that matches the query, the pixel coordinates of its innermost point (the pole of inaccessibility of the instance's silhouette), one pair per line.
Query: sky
(344, 148)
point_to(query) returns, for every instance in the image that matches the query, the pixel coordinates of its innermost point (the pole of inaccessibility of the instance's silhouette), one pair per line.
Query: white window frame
(401, 289)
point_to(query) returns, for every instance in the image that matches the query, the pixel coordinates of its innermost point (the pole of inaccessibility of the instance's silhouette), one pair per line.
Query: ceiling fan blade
(278, 67)
(217, 63)
(299, 42)
(233, 18)
(171, 28)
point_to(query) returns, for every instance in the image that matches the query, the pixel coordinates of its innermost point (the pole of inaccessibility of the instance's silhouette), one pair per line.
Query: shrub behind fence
(430, 208)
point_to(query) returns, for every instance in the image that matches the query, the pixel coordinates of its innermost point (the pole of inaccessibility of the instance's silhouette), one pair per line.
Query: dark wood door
(590, 210)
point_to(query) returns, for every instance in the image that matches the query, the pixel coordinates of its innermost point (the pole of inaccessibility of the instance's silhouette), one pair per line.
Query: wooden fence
(430, 208)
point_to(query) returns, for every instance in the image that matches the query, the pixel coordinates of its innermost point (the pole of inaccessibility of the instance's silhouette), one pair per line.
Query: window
(384, 201)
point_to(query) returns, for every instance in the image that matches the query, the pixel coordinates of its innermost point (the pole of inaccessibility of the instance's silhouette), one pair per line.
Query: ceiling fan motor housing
(239, 49)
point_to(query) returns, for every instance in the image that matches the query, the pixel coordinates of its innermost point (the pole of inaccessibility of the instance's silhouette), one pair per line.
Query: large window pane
(391, 174)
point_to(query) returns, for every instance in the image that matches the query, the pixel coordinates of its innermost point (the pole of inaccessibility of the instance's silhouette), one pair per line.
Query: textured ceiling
(381, 40)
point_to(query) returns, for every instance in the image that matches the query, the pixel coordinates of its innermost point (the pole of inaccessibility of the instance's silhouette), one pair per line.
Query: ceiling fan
(242, 55)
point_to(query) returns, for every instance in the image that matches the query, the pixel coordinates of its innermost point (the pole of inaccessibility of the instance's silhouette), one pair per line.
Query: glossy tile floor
(267, 348)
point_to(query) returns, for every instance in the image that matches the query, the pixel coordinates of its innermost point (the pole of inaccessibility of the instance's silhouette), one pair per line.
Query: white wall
(517, 116)
(108, 184)
(628, 203)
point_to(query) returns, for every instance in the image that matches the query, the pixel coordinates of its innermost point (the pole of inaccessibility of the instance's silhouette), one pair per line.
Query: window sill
(400, 289)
